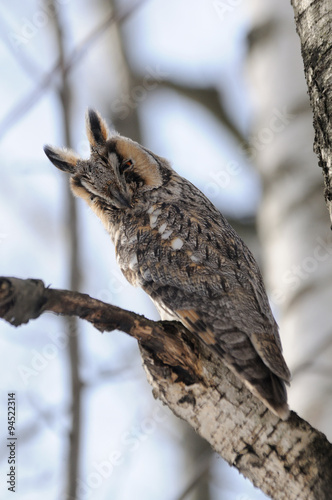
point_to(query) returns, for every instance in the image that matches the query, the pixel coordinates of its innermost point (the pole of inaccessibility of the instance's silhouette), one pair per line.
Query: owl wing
(211, 283)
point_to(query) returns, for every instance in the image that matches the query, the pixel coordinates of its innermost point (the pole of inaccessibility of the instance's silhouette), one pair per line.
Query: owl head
(118, 171)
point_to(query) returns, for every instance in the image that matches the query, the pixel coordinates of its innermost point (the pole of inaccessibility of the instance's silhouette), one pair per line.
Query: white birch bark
(293, 220)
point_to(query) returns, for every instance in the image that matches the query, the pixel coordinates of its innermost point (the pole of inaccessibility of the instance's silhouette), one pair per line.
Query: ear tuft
(64, 159)
(96, 128)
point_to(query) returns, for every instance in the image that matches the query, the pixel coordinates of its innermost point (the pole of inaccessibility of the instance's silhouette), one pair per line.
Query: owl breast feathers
(172, 242)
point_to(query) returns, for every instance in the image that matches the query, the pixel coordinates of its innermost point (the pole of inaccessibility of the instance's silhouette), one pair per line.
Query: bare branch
(285, 459)
(76, 385)
(208, 97)
(22, 300)
(25, 104)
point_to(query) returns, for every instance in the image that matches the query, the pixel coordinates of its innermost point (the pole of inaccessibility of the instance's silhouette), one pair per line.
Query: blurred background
(217, 87)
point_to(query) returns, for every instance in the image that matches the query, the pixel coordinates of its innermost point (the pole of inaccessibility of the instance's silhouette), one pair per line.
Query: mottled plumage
(172, 242)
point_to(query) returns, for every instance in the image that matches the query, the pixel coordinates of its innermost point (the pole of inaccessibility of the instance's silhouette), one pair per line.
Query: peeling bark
(285, 459)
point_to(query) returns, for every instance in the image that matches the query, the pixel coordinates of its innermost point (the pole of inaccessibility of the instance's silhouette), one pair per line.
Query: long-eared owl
(171, 241)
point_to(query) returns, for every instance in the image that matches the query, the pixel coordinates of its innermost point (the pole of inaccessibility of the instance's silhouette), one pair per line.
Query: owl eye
(125, 166)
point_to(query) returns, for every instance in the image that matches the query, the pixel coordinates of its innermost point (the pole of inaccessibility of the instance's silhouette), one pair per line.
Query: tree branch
(28, 101)
(208, 97)
(285, 459)
(313, 25)
(22, 300)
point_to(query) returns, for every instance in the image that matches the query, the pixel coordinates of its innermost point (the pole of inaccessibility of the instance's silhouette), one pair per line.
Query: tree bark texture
(313, 24)
(285, 459)
(292, 221)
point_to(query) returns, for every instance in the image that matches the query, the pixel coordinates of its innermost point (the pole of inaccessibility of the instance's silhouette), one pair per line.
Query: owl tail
(272, 392)
(279, 403)
(260, 380)
(242, 357)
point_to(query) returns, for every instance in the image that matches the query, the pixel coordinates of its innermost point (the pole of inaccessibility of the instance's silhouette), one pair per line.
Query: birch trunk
(293, 221)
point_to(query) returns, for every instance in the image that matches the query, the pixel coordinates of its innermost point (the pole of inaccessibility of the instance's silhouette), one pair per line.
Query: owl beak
(122, 201)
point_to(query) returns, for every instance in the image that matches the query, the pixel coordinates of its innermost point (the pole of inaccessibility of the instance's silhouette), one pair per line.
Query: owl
(172, 242)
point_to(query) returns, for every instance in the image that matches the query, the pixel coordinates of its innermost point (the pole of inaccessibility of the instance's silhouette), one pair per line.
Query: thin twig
(25, 104)
(73, 455)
